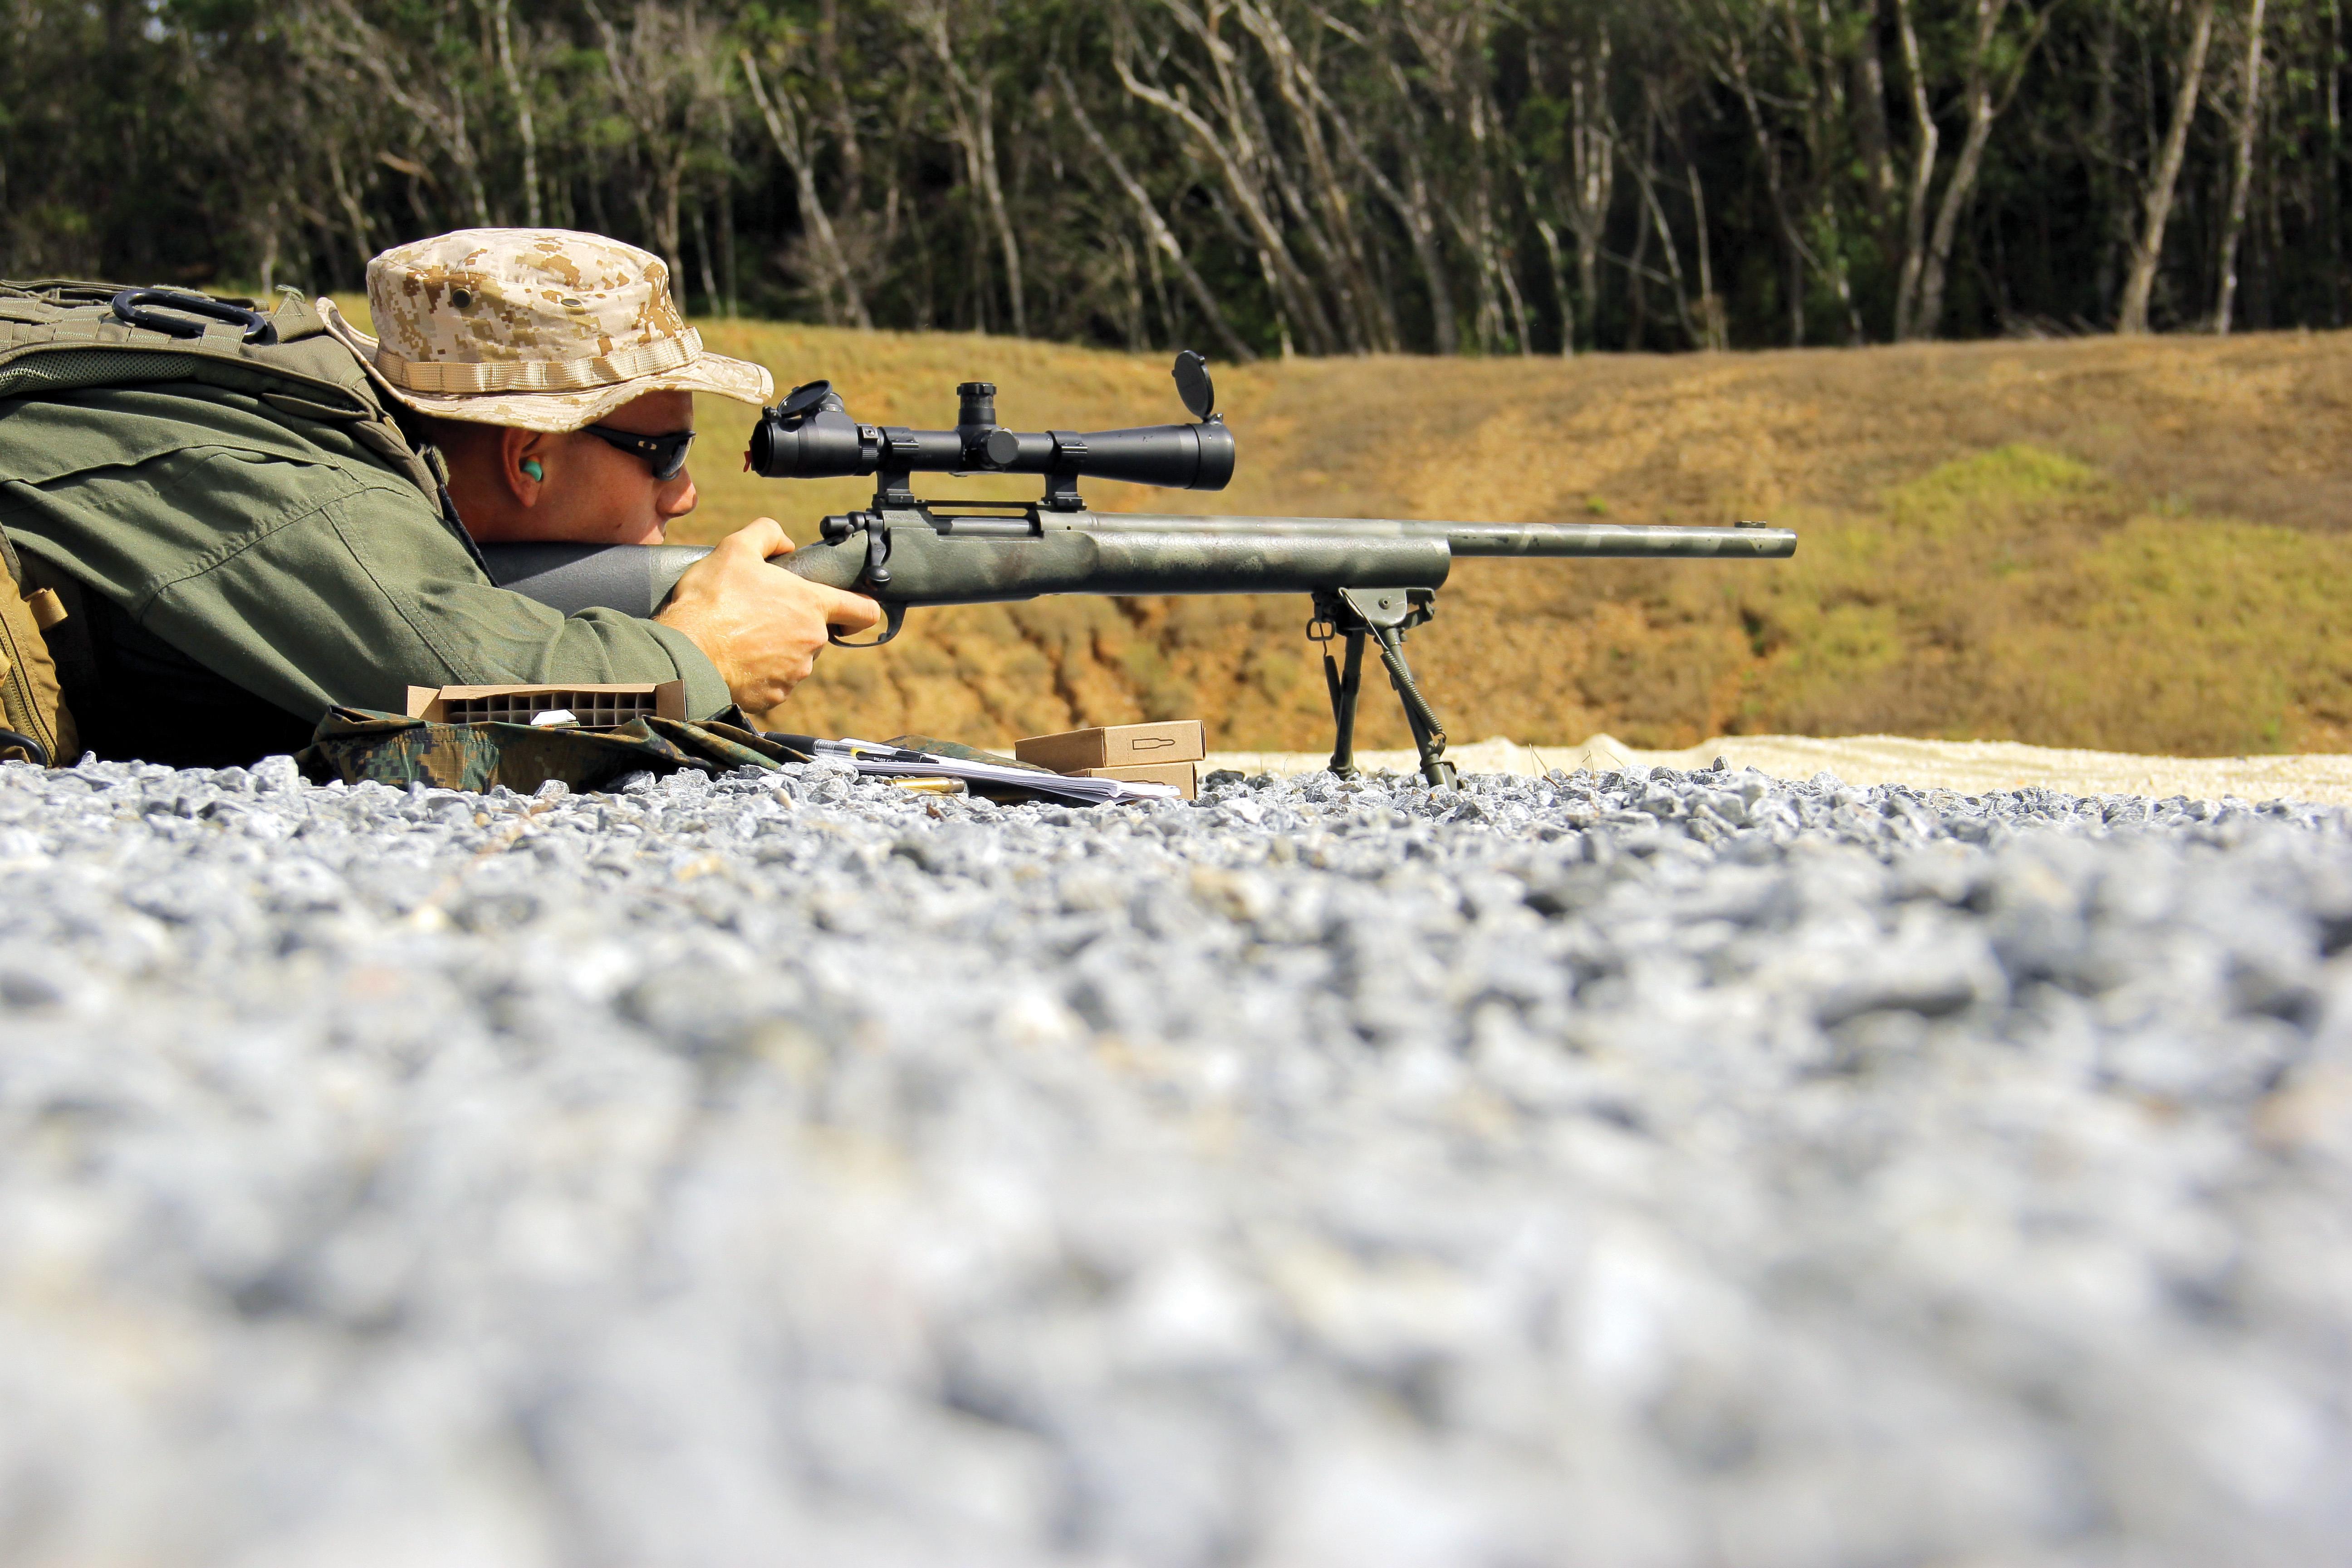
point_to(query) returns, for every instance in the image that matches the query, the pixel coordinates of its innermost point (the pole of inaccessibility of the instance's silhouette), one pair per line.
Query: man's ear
(522, 464)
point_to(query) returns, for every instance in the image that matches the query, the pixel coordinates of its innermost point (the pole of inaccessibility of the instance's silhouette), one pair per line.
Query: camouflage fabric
(543, 329)
(357, 743)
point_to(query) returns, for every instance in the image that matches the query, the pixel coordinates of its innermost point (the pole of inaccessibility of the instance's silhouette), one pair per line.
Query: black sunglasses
(665, 455)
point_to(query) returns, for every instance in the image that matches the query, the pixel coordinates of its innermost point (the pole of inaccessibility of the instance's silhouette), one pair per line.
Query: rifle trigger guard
(893, 618)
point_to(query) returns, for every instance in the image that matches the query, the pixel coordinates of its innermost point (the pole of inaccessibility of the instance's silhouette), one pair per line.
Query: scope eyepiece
(810, 435)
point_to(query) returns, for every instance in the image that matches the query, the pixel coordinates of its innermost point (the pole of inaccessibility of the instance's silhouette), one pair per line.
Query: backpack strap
(38, 728)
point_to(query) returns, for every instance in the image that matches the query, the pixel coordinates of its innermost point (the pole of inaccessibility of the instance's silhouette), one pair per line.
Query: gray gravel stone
(1678, 1168)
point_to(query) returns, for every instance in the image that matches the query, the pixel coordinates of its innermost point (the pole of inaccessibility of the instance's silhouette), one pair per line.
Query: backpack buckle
(131, 306)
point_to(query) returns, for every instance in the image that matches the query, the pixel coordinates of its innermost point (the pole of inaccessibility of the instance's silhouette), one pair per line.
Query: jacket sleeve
(311, 585)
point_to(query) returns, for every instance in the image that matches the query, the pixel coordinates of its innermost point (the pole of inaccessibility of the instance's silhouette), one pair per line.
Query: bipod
(1384, 614)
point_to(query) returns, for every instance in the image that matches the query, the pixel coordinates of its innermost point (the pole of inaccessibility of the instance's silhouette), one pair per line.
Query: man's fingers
(763, 629)
(764, 535)
(854, 612)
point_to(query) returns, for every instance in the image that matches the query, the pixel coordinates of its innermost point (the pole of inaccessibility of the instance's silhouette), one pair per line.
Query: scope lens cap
(804, 399)
(1193, 385)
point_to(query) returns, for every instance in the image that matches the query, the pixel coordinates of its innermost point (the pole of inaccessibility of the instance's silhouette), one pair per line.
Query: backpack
(61, 336)
(33, 724)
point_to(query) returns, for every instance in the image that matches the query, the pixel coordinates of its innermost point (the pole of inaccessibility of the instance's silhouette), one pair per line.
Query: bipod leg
(1428, 735)
(1383, 613)
(1335, 617)
(1345, 689)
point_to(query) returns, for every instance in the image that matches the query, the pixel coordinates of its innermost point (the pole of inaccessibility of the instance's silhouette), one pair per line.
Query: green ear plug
(530, 466)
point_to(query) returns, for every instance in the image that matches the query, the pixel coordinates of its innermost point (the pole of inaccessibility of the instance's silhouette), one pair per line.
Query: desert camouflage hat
(542, 329)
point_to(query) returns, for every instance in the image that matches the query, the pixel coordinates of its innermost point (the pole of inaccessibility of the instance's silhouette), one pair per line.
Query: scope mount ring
(894, 615)
(131, 308)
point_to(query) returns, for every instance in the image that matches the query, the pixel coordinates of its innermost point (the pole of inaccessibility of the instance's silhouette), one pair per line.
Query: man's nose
(676, 498)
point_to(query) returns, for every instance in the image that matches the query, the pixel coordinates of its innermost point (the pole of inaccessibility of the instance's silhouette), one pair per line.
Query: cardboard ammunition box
(1185, 776)
(596, 707)
(1116, 746)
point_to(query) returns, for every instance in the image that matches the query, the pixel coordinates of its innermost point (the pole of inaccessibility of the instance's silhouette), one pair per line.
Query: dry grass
(2133, 546)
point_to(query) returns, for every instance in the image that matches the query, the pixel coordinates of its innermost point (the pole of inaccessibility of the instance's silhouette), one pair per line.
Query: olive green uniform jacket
(222, 532)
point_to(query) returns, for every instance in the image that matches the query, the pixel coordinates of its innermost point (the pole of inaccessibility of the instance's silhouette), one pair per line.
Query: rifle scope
(811, 436)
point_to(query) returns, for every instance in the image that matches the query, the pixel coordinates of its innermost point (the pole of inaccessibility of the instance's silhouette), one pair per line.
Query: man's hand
(762, 627)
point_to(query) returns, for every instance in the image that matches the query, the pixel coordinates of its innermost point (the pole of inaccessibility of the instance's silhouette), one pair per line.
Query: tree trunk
(663, 53)
(1516, 298)
(1653, 216)
(668, 239)
(974, 103)
(1477, 232)
(1412, 208)
(366, 47)
(523, 125)
(1637, 292)
(1556, 263)
(727, 251)
(269, 250)
(1793, 252)
(1375, 319)
(353, 213)
(2106, 189)
(1250, 147)
(1962, 184)
(1874, 138)
(2242, 174)
(713, 301)
(1923, 174)
(1593, 173)
(1283, 280)
(836, 93)
(1712, 310)
(2331, 162)
(2147, 248)
(1163, 238)
(783, 129)
(1826, 150)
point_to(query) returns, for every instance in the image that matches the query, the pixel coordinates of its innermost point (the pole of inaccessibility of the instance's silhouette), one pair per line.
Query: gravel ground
(1611, 1169)
(1971, 767)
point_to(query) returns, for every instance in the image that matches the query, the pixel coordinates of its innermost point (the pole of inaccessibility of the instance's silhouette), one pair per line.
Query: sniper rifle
(1369, 578)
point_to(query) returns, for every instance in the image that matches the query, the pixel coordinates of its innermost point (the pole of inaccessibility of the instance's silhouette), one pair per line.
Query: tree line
(1252, 176)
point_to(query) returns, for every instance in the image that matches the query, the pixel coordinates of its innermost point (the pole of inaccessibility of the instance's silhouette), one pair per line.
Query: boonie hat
(542, 329)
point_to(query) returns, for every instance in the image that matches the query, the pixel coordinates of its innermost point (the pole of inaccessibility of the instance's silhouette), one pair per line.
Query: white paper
(891, 762)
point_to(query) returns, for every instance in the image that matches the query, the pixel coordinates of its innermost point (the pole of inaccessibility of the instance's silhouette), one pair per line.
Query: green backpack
(61, 336)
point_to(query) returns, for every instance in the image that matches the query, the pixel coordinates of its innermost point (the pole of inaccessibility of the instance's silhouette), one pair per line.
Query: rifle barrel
(1571, 540)
(979, 559)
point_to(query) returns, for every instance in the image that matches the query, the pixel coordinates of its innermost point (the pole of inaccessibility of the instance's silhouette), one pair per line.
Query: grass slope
(2123, 545)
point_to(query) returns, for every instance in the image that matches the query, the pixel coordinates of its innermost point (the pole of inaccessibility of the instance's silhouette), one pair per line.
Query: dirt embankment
(2131, 546)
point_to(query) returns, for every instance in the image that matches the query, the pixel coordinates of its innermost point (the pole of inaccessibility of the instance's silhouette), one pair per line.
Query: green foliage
(1360, 175)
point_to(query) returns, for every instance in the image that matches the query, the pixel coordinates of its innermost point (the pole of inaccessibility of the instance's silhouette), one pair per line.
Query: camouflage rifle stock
(1369, 578)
